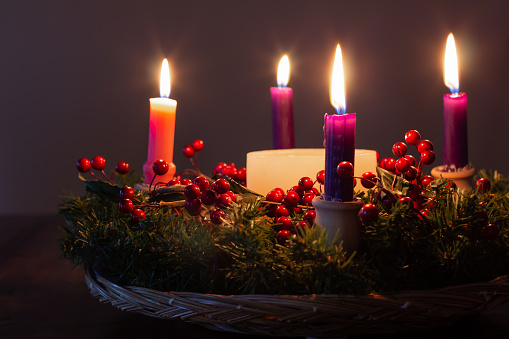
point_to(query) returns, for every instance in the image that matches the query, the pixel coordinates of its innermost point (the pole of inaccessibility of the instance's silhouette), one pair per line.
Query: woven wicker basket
(308, 315)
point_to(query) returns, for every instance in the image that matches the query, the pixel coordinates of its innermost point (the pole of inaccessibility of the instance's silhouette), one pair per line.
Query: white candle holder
(340, 217)
(462, 179)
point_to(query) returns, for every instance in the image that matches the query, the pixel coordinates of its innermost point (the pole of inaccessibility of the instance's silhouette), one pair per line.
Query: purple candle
(282, 108)
(455, 113)
(339, 138)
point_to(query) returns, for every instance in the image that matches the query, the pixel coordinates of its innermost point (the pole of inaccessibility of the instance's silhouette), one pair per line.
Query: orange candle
(162, 129)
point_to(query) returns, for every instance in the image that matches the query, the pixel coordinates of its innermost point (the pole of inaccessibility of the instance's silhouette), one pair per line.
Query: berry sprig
(291, 210)
(98, 163)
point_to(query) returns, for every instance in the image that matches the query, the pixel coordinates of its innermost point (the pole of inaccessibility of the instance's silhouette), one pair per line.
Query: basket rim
(312, 315)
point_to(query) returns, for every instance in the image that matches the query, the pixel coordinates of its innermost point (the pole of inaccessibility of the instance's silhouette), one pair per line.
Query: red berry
(368, 214)
(83, 165)
(425, 145)
(283, 223)
(320, 177)
(173, 181)
(208, 197)
(220, 186)
(231, 195)
(368, 180)
(411, 174)
(306, 183)
(202, 183)
(291, 198)
(280, 190)
(98, 163)
(300, 226)
(282, 211)
(483, 185)
(298, 190)
(271, 210)
(188, 151)
(426, 180)
(412, 137)
(160, 167)
(388, 201)
(224, 201)
(241, 174)
(402, 165)
(186, 182)
(309, 216)
(411, 160)
(217, 216)
(399, 149)
(192, 191)
(197, 145)
(125, 206)
(414, 193)
(282, 236)
(126, 192)
(137, 215)
(218, 167)
(274, 196)
(122, 167)
(490, 232)
(388, 164)
(405, 201)
(193, 206)
(345, 169)
(307, 199)
(450, 184)
(427, 157)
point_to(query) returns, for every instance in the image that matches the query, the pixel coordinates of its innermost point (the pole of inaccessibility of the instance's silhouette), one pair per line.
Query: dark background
(76, 77)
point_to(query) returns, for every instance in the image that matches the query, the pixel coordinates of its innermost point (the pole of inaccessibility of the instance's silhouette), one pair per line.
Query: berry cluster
(419, 198)
(406, 165)
(126, 193)
(292, 210)
(202, 192)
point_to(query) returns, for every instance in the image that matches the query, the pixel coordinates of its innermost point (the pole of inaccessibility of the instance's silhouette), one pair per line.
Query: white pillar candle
(283, 168)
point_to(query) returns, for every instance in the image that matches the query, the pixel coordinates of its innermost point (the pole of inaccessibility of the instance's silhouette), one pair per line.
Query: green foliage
(404, 249)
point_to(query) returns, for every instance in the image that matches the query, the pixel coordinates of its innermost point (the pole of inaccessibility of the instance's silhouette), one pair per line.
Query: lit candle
(161, 129)
(282, 108)
(455, 113)
(339, 141)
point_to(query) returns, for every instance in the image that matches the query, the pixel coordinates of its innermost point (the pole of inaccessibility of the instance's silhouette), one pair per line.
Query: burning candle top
(161, 128)
(282, 108)
(455, 113)
(339, 137)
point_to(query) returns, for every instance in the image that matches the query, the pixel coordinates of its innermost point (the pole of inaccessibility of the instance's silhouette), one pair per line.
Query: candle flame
(451, 66)
(283, 72)
(164, 82)
(337, 86)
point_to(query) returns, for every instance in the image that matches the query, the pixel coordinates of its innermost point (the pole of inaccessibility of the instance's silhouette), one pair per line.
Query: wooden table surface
(42, 296)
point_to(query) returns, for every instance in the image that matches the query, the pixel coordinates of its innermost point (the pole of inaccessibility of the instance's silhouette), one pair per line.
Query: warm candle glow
(283, 72)
(451, 66)
(164, 83)
(337, 86)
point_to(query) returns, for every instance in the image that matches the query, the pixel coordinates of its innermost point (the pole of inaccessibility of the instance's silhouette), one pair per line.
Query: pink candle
(161, 129)
(455, 113)
(339, 138)
(282, 108)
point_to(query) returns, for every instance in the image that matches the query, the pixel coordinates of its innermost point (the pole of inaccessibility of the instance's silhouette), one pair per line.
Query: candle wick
(341, 110)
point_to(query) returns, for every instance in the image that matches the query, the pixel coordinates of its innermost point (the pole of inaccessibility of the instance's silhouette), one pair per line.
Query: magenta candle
(282, 108)
(339, 146)
(455, 113)
(455, 131)
(339, 137)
